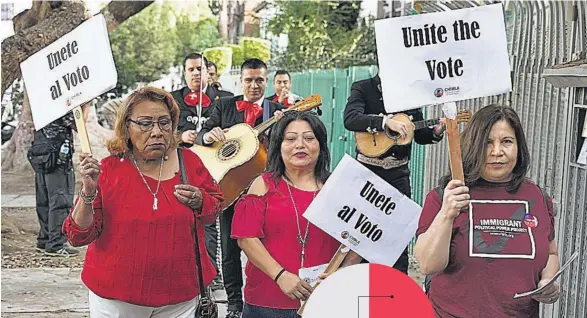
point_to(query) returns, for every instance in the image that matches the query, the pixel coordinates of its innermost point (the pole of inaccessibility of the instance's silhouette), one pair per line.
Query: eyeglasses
(147, 125)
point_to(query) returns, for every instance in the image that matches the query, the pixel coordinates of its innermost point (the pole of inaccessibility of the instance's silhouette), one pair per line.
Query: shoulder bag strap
(184, 180)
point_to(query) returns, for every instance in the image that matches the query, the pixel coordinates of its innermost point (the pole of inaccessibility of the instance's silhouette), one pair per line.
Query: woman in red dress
(138, 218)
(268, 221)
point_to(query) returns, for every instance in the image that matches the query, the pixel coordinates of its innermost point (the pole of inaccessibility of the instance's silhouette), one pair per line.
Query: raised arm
(84, 223)
(432, 248)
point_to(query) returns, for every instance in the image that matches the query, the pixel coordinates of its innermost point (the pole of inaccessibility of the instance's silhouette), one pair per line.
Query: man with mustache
(250, 108)
(191, 119)
(282, 87)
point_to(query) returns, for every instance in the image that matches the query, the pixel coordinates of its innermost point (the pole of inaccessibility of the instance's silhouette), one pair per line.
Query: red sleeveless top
(272, 218)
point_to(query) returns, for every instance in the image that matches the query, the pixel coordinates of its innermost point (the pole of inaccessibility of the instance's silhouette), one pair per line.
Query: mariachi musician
(364, 111)
(282, 87)
(195, 99)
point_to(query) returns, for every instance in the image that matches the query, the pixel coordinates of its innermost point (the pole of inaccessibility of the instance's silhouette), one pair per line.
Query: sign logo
(344, 235)
(438, 92)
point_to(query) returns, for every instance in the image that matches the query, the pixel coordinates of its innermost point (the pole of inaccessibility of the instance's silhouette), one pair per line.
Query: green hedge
(238, 56)
(221, 56)
(254, 47)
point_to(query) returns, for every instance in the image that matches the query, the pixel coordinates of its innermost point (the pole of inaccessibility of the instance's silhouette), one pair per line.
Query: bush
(221, 56)
(256, 48)
(237, 54)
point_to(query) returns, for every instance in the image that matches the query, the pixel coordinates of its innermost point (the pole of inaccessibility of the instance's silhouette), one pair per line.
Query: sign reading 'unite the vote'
(71, 71)
(365, 213)
(435, 58)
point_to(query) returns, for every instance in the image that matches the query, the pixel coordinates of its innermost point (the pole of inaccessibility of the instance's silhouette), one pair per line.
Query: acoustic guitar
(236, 162)
(375, 144)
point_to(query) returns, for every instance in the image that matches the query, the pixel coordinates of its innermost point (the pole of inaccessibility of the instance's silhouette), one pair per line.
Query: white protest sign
(365, 213)
(440, 57)
(70, 72)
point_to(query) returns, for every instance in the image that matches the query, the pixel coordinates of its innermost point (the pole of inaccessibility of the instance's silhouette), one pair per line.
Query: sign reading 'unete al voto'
(365, 213)
(441, 57)
(71, 71)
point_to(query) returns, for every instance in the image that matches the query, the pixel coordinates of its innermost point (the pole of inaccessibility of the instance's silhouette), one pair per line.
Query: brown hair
(120, 144)
(474, 146)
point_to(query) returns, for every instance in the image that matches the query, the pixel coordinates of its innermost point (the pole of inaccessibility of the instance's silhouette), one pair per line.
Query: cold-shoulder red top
(138, 255)
(272, 219)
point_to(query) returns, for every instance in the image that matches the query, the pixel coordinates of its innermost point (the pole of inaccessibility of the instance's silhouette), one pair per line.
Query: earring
(166, 158)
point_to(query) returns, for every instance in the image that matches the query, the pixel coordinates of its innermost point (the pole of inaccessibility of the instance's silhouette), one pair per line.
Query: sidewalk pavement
(51, 292)
(18, 201)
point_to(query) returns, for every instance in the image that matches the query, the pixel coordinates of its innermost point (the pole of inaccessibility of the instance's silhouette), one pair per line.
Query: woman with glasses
(138, 218)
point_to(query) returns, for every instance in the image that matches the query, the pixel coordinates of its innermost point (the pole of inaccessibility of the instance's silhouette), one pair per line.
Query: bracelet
(86, 198)
(278, 275)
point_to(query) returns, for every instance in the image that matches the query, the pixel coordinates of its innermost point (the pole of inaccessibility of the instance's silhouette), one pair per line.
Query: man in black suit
(191, 117)
(188, 97)
(364, 112)
(282, 87)
(250, 108)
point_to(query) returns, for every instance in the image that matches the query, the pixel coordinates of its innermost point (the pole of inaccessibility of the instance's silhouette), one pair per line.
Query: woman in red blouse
(493, 238)
(268, 221)
(138, 218)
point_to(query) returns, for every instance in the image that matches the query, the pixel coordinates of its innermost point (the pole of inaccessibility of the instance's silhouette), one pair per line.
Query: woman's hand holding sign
(293, 286)
(456, 198)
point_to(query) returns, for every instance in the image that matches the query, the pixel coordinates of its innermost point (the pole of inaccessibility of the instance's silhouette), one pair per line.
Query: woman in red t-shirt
(268, 221)
(493, 238)
(138, 218)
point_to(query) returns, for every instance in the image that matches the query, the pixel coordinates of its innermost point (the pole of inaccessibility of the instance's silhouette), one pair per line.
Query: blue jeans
(252, 311)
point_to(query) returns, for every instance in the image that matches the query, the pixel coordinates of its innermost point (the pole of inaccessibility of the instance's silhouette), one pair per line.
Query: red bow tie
(252, 111)
(193, 99)
(285, 101)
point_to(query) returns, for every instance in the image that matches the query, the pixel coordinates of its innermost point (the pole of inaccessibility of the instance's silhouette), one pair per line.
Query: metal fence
(544, 33)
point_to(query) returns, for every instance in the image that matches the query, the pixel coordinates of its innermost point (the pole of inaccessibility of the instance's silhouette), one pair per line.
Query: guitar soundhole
(229, 150)
(392, 134)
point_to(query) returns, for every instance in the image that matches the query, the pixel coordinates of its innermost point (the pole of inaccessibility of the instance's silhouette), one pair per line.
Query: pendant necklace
(154, 194)
(302, 240)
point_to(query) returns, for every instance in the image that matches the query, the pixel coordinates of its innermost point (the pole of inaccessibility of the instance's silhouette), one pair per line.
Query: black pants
(211, 234)
(231, 262)
(399, 178)
(54, 196)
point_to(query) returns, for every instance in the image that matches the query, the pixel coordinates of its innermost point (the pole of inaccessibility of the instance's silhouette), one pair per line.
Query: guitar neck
(262, 127)
(426, 123)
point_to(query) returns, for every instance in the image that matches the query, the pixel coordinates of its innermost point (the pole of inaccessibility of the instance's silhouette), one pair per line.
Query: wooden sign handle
(454, 150)
(80, 124)
(333, 266)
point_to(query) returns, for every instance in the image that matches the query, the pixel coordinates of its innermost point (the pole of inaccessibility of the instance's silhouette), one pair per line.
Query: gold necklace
(154, 194)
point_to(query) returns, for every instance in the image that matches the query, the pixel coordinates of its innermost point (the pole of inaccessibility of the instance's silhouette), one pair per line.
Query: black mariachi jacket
(188, 115)
(366, 99)
(225, 115)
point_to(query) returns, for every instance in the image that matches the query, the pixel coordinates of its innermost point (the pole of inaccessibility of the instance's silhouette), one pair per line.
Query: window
(7, 11)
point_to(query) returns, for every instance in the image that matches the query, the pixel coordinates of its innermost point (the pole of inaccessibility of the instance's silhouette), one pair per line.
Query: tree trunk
(29, 41)
(24, 43)
(57, 23)
(14, 151)
(223, 21)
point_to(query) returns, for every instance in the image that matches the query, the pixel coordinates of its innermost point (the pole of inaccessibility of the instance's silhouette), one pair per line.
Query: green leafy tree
(144, 47)
(256, 48)
(322, 34)
(195, 33)
(221, 56)
(237, 54)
